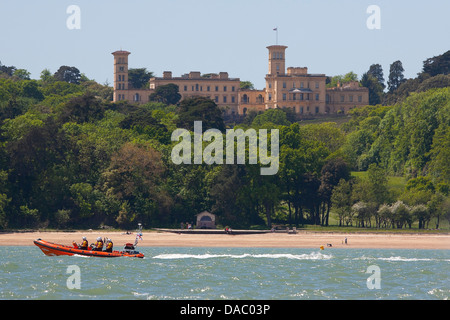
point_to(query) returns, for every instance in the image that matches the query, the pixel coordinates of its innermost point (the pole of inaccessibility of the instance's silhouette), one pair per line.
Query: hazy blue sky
(327, 36)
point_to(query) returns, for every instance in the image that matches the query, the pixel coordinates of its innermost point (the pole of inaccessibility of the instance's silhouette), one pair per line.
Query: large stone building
(305, 93)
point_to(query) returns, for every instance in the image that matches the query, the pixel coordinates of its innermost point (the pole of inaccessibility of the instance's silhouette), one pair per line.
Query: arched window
(260, 99)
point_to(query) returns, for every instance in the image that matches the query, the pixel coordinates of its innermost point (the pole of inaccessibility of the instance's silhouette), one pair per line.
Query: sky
(327, 36)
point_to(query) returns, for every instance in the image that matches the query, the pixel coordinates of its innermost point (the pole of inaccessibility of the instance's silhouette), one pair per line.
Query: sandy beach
(302, 239)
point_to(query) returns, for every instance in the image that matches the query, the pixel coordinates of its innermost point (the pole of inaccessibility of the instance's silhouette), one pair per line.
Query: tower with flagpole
(276, 35)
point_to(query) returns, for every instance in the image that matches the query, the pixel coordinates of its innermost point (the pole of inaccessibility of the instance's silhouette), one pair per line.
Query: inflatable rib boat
(53, 249)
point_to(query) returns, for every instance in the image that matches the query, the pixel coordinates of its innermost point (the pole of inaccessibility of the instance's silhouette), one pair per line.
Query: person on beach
(98, 246)
(84, 244)
(109, 245)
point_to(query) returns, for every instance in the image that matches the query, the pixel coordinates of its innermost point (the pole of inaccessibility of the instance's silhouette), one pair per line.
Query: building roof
(121, 52)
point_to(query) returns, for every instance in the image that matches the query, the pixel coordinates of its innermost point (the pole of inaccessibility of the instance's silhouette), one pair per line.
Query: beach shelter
(206, 220)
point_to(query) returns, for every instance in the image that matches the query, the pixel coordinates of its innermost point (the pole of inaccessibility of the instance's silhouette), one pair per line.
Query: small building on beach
(206, 220)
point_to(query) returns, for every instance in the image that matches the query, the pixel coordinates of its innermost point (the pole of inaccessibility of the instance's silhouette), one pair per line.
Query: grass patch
(395, 183)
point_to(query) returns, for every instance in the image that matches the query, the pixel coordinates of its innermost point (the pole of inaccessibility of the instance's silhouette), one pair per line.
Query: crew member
(109, 245)
(84, 244)
(98, 245)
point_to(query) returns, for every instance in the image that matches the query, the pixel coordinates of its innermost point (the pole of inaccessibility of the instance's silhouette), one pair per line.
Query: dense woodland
(71, 158)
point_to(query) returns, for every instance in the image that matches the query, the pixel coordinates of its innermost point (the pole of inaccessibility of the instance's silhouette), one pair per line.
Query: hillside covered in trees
(71, 158)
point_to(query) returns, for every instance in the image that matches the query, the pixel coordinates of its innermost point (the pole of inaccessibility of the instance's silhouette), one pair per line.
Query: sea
(211, 273)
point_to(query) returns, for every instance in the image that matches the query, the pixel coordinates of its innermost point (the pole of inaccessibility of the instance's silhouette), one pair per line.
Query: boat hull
(53, 249)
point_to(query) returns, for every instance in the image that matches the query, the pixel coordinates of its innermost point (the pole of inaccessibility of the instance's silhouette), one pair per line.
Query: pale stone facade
(293, 88)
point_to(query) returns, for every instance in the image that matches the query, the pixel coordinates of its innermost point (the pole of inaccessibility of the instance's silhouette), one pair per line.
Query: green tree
(271, 116)
(167, 94)
(332, 173)
(378, 184)
(437, 65)
(134, 178)
(376, 71)
(246, 85)
(68, 74)
(199, 109)
(139, 77)
(21, 74)
(396, 77)
(341, 200)
(83, 109)
(374, 86)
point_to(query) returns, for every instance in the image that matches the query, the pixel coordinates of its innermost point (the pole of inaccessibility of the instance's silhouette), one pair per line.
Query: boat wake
(309, 256)
(401, 259)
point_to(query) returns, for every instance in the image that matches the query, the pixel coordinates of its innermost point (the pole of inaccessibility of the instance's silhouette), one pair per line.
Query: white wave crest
(310, 256)
(398, 258)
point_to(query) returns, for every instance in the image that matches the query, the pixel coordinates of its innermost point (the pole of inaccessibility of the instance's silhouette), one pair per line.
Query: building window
(342, 98)
(284, 96)
(317, 96)
(185, 88)
(216, 99)
(317, 85)
(207, 88)
(284, 85)
(350, 98)
(224, 88)
(301, 110)
(196, 87)
(301, 96)
(224, 99)
(301, 85)
(232, 88)
(217, 88)
(233, 100)
(317, 109)
(270, 97)
(136, 97)
(359, 98)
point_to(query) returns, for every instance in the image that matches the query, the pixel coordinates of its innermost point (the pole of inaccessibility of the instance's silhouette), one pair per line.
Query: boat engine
(129, 248)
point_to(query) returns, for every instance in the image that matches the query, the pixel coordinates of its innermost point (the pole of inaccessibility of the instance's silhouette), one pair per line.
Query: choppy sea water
(168, 273)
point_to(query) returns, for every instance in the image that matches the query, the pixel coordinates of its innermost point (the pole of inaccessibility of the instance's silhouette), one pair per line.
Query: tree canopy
(72, 158)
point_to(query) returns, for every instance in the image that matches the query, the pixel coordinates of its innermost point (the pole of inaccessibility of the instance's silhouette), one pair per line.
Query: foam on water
(310, 256)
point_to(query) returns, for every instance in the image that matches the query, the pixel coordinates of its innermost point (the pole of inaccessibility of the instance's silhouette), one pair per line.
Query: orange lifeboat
(53, 249)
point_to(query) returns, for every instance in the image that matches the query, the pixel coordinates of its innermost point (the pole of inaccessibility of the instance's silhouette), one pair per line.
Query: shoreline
(301, 239)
